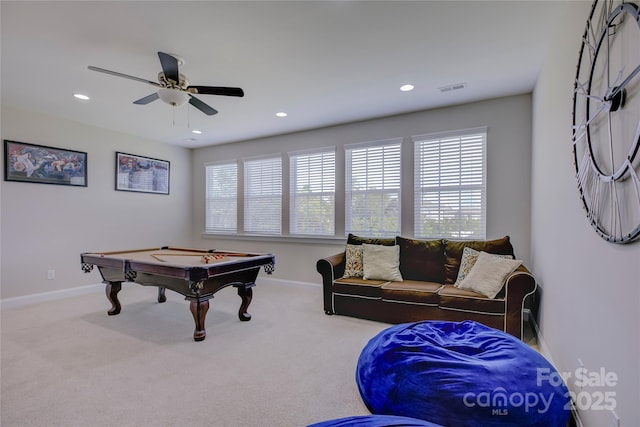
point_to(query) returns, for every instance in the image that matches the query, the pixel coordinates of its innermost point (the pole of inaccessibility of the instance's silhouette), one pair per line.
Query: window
(372, 190)
(222, 197)
(450, 185)
(263, 196)
(312, 193)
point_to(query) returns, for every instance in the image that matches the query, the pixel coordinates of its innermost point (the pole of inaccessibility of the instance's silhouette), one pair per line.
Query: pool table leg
(112, 290)
(246, 293)
(199, 310)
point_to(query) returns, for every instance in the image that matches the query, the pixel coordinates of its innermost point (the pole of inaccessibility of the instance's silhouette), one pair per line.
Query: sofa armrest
(330, 268)
(518, 287)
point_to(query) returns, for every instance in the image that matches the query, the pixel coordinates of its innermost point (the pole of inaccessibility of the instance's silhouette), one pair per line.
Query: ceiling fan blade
(216, 90)
(126, 76)
(147, 99)
(169, 67)
(209, 111)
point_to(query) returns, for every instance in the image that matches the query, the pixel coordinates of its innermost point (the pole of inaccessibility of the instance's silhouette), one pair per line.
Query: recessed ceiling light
(281, 114)
(406, 88)
(81, 96)
(196, 131)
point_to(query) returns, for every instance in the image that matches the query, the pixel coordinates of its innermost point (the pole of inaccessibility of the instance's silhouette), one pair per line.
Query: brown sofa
(429, 269)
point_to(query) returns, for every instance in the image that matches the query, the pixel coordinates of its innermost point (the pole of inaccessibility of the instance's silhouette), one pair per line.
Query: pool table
(195, 273)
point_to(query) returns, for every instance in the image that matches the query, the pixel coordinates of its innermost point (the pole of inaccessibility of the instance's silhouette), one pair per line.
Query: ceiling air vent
(452, 87)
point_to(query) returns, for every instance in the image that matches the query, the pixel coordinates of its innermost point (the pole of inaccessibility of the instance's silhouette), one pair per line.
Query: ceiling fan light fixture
(173, 97)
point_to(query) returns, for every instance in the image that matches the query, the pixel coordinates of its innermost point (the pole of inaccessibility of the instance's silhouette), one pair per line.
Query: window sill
(278, 239)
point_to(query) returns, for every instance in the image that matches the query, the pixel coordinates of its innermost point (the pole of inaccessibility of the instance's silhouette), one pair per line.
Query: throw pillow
(381, 262)
(469, 258)
(453, 251)
(353, 263)
(489, 274)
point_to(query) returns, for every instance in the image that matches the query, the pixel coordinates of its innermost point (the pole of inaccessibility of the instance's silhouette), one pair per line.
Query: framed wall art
(141, 174)
(40, 164)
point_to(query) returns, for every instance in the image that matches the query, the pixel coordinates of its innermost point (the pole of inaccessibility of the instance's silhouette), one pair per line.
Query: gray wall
(46, 227)
(591, 288)
(508, 179)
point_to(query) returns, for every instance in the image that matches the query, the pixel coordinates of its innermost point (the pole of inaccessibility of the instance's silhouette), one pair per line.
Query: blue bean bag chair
(460, 374)
(375, 421)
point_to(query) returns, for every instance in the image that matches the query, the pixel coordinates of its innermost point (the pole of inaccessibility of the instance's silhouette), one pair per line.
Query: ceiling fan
(174, 89)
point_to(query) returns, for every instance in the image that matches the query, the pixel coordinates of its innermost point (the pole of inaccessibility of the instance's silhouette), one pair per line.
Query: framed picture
(44, 165)
(141, 174)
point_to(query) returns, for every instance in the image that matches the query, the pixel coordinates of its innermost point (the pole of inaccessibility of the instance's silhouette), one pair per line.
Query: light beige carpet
(66, 363)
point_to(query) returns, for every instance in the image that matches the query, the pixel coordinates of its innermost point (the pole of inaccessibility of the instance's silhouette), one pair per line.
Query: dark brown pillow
(453, 253)
(421, 259)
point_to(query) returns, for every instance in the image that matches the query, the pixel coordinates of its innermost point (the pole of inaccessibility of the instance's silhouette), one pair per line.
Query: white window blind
(263, 196)
(222, 198)
(450, 185)
(312, 193)
(372, 191)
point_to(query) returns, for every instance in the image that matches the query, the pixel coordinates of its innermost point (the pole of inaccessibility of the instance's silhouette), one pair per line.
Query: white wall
(46, 227)
(508, 181)
(590, 288)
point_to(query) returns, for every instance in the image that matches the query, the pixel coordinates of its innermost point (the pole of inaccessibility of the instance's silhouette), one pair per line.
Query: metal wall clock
(606, 120)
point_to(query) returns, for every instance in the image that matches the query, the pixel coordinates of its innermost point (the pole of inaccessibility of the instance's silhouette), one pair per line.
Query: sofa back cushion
(453, 253)
(422, 259)
(352, 239)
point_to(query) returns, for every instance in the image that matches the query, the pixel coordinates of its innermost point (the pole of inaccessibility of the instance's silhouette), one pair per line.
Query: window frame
(446, 189)
(391, 144)
(261, 208)
(208, 215)
(295, 195)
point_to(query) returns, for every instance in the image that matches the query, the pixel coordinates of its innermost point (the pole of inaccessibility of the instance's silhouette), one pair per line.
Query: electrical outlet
(51, 274)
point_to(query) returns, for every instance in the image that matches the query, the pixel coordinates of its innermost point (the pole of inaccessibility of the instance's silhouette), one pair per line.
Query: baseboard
(17, 302)
(575, 420)
(267, 279)
(541, 342)
(22, 301)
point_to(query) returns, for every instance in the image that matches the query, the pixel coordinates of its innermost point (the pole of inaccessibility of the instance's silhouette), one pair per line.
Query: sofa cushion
(453, 253)
(358, 286)
(489, 274)
(352, 239)
(353, 261)
(381, 262)
(453, 298)
(469, 258)
(421, 259)
(412, 291)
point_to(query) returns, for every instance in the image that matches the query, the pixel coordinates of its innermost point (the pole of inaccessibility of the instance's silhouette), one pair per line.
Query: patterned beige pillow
(353, 264)
(469, 258)
(489, 273)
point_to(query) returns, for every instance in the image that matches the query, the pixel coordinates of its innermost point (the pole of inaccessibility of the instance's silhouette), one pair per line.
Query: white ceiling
(322, 62)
